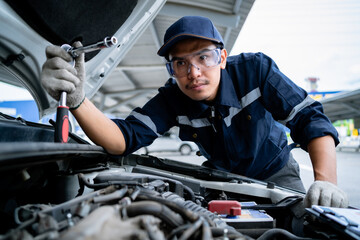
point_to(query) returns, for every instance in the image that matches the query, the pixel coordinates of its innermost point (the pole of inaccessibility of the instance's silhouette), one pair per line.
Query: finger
(312, 196)
(62, 85)
(58, 63)
(77, 44)
(54, 79)
(56, 51)
(336, 200)
(344, 202)
(64, 74)
(339, 199)
(325, 197)
(55, 86)
(79, 61)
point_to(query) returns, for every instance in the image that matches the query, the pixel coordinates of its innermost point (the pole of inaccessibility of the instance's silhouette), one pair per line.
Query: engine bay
(78, 191)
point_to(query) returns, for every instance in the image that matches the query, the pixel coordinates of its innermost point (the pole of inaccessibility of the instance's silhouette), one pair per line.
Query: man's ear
(223, 58)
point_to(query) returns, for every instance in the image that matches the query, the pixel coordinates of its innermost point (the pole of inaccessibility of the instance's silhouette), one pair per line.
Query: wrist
(77, 106)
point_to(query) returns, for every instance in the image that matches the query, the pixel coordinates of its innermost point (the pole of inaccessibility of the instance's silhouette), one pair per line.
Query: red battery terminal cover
(227, 207)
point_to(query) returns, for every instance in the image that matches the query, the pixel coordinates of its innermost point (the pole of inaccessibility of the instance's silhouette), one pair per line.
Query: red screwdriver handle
(62, 124)
(62, 121)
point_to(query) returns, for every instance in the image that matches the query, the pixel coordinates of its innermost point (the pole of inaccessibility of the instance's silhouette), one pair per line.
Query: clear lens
(202, 60)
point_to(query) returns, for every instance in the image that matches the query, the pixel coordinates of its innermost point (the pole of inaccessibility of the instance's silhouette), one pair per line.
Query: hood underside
(29, 26)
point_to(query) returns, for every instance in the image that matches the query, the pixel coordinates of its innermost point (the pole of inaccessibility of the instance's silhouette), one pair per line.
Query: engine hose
(84, 181)
(186, 188)
(231, 234)
(193, 207)
(206, 232)
(204, 212)
(114, 196)
(177, 230)
(156, 209)
(178, 208)
(277, 233)
(192, 229)
(199, 209)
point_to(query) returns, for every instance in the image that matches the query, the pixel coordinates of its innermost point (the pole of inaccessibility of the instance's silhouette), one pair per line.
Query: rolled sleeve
(311, 123)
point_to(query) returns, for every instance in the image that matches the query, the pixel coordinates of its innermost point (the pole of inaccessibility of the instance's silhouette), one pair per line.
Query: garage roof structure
(141, 72)
(344, 105)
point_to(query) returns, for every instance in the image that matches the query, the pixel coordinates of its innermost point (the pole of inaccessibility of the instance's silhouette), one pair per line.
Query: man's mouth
(196, 86)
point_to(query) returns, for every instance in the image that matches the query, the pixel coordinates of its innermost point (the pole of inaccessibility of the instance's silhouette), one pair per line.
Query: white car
(170, 142)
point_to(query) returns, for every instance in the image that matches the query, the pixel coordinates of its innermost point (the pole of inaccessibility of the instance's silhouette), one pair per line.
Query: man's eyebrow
(177, 58)
(198, 52)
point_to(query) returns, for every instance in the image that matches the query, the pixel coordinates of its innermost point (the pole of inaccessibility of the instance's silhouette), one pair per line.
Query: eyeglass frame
(171, 71)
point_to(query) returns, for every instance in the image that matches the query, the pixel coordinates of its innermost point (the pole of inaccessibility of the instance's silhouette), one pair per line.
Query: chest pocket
(250, 117)
(188, 133)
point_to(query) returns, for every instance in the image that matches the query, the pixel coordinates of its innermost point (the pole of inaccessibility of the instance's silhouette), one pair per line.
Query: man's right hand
(326, 194)
(58, 75)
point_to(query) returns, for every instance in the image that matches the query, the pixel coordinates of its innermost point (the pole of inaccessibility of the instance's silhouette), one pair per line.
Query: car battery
(231, 212)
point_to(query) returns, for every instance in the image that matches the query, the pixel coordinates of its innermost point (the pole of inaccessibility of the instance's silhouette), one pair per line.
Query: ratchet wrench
(62, 112)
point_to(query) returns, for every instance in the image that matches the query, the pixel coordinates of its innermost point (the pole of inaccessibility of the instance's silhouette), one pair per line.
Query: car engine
(79, 191)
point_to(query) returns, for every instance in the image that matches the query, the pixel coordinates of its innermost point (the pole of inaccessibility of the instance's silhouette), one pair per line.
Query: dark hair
(219, 45)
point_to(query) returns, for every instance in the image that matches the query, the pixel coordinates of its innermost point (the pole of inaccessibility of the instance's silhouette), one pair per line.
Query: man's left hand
(326, 194)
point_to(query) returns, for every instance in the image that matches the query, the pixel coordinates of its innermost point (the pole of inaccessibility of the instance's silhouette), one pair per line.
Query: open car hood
(27, 27)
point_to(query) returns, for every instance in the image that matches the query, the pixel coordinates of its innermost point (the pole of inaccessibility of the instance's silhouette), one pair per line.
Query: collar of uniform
(193, 109)
(196, 108)
(226, 94)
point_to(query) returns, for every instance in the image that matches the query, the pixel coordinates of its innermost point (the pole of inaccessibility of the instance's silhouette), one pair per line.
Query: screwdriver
(62, 112)
(62, 120)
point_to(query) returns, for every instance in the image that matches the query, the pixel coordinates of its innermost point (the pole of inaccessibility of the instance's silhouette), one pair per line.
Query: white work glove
(325, 194)
(59, 75)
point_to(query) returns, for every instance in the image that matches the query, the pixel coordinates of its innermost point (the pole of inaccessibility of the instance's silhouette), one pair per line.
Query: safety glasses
(202, 60)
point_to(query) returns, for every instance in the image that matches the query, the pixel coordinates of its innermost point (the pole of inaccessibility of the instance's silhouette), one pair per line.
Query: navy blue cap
(189, 27)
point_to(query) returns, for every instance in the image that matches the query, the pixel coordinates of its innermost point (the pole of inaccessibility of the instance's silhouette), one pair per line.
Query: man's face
(198, 83)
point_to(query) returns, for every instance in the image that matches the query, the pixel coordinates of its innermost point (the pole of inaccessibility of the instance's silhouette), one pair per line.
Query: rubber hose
(192, 229)
(232, 233)
(178, 208)
(276, 233)
(156, 209)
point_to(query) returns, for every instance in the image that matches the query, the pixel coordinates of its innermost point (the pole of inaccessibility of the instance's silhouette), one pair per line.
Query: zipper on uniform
(212, 118)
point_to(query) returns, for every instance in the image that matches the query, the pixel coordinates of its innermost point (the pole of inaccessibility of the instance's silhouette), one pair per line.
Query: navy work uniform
(242, 130)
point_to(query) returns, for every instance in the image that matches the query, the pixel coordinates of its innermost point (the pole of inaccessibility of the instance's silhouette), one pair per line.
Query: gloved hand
(59, 75)
(326, 194)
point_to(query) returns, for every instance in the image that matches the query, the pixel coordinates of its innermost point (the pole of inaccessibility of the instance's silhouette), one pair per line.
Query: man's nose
(190, 69)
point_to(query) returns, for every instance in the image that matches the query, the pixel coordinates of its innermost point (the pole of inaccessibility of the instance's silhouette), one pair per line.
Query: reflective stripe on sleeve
(305, 103)
(146, 120)
(195, 123)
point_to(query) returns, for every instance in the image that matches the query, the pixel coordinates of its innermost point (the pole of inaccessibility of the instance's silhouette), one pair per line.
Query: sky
(11, 93)
(307, 38)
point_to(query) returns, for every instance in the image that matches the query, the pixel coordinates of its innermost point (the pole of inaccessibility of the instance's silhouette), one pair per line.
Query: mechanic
(231, 107)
